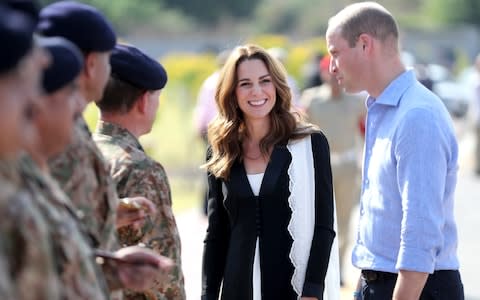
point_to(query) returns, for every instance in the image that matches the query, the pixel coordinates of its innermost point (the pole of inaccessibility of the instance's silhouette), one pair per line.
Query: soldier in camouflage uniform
(27, 270)
(78, 273)
(81, 278)
(88, 188)
(26, 257)
(80, 169)
(128, 109)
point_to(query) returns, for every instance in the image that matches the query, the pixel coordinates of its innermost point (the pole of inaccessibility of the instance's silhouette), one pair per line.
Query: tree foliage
(274, 16)
(452, 12)
(124, 14)
(209, 12)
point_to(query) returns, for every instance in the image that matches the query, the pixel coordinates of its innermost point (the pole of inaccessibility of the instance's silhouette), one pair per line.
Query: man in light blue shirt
(407, 238)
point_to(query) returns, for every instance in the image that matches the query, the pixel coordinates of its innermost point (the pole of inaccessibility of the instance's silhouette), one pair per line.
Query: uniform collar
(117, 131)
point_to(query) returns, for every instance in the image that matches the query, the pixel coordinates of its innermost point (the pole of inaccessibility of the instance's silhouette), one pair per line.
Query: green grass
(186, 194)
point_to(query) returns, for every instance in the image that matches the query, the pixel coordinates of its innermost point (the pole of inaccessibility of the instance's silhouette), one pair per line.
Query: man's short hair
(119, 96)
(365, 17)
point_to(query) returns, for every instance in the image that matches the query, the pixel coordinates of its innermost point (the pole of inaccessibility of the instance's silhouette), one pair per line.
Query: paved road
(192, 227)
(467, 210)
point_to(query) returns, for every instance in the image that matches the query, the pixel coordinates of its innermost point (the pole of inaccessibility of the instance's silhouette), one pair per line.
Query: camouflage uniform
(27, 269)
(80, 276)
(136, 174)
(83, 175)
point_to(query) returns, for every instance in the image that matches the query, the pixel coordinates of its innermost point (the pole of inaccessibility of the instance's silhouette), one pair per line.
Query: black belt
(373, 276)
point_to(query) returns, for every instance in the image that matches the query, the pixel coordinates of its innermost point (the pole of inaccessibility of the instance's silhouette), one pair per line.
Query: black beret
(27, 7)
(80, 23)
(66, 63)
(16, 34)
(133, 66)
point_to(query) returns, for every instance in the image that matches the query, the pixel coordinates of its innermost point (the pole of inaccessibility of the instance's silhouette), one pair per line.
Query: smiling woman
(255, 92)
(251, 86)
(259, 151)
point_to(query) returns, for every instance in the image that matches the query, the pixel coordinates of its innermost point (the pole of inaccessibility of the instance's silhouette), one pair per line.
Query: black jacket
(235, 223)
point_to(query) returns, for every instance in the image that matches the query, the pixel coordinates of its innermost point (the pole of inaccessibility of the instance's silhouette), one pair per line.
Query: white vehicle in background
(468, 78)
(454, 94)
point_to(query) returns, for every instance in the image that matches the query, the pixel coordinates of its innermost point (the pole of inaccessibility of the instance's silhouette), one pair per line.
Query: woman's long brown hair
(227, 131)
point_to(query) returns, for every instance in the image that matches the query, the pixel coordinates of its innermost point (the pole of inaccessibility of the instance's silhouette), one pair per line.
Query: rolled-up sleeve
(421, 179)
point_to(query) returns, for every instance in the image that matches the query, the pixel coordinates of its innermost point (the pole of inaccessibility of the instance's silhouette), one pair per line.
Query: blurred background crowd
(440, 40)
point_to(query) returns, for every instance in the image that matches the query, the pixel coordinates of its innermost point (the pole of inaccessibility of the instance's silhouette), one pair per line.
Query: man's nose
(333, 67)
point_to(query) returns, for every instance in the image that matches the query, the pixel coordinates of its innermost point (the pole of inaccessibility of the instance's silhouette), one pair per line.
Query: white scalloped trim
(301, 226)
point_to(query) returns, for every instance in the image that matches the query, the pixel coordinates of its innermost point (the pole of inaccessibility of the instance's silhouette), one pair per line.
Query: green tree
(170, 15)
(451, 12)
(125, 14)
(209, 12)
(310, 17)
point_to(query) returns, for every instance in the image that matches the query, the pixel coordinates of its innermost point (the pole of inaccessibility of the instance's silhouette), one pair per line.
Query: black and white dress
(273, 241)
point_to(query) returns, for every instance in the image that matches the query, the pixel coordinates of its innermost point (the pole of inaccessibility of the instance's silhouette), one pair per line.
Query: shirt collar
(393, 92)
(111, 129)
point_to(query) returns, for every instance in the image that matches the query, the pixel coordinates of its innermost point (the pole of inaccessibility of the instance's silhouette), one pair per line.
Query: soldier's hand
(133, 211)
(143, 268)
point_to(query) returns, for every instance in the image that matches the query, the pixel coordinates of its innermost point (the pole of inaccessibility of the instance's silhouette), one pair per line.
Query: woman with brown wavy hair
(270, 210)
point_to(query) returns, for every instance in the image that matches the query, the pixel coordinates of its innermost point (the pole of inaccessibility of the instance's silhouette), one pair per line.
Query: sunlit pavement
(467, 212)
(192, 226)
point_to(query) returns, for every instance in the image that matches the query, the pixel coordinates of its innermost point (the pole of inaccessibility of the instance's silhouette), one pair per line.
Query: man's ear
(142, 103)
(89, 64)
(365, 42)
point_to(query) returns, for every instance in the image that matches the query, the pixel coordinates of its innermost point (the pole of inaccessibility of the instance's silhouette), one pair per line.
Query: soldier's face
(100, 74)
(152, 108)
(11, 117)
(31, 70)
(55, 119)
(19, 90)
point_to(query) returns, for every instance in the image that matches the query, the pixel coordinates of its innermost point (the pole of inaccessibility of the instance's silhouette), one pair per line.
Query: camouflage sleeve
(160, 233)
(26, 257)
(6, 283)
(83, 175)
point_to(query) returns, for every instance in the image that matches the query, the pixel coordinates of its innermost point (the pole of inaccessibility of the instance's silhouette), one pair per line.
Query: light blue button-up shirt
(409, 177)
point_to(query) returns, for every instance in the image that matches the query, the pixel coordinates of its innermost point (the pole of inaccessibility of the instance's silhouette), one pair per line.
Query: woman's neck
(257, 130)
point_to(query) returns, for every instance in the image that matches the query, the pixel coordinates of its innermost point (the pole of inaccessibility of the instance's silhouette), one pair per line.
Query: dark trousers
(441, 285)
